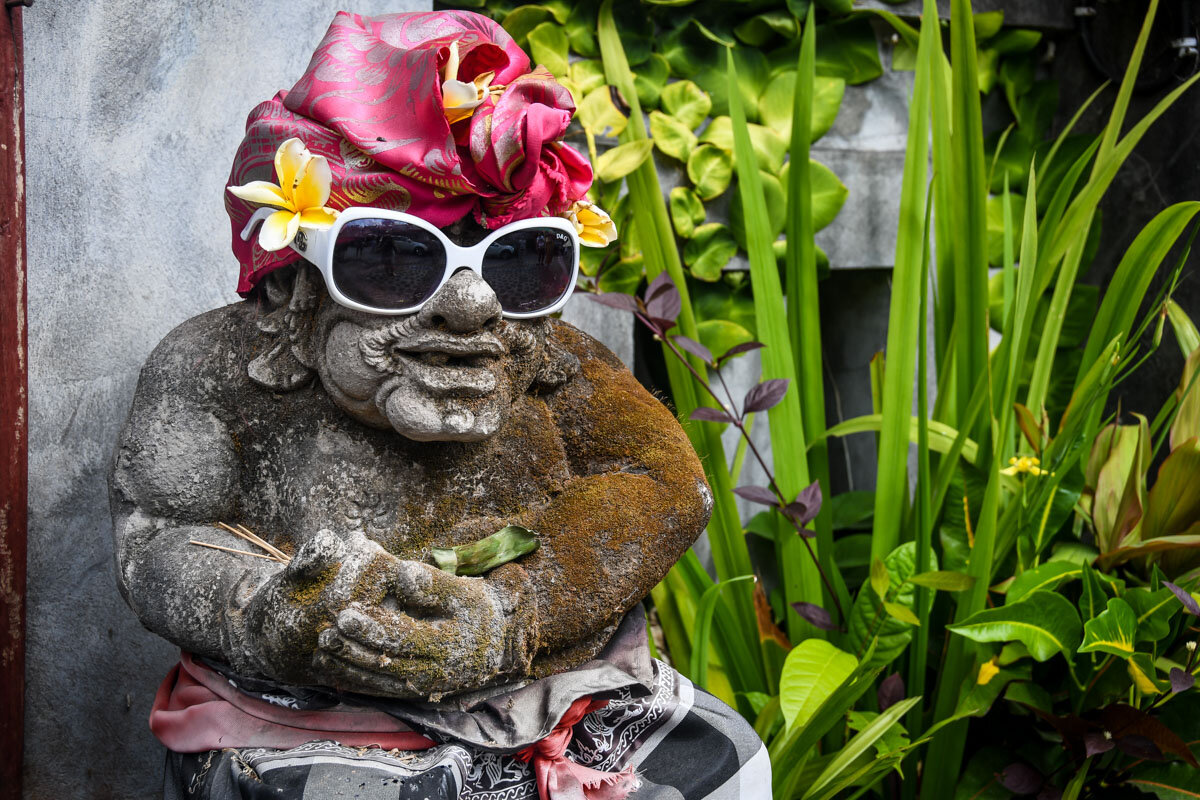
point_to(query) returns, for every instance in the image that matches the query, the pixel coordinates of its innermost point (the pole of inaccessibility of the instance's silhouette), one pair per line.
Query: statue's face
(449, 372)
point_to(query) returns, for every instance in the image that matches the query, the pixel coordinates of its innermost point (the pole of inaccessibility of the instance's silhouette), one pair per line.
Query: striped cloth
(683, 744)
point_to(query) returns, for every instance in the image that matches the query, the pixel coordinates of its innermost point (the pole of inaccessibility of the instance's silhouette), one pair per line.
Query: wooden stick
(232, 550)
(246, 534)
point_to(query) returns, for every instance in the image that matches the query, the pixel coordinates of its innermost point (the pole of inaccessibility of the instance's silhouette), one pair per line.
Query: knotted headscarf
(371, 103)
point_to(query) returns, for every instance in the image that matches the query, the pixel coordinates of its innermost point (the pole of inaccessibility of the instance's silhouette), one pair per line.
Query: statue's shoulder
(204, 356)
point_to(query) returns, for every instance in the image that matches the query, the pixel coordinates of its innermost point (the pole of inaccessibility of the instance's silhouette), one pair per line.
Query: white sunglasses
(392, 263)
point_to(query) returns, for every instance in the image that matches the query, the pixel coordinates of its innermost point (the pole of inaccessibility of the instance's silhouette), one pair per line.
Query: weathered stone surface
(357, 442)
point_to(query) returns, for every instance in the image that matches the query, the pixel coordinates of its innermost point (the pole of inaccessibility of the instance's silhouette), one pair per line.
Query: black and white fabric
(683, 743)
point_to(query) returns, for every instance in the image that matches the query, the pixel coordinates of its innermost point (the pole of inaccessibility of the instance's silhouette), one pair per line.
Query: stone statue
(296, 466)
(358, 442)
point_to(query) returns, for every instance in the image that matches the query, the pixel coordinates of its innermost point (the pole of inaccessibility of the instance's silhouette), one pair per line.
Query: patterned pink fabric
(371, 103)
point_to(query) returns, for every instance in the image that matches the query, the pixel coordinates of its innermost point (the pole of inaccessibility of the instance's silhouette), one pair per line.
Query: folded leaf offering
(507, 544)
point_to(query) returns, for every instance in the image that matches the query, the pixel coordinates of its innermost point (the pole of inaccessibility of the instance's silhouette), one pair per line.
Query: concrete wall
(133, 113)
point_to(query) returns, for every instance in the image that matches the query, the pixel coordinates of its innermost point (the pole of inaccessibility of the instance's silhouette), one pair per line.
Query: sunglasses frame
(315, 246)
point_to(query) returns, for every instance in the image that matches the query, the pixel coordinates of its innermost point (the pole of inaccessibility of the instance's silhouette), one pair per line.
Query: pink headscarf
(370, 102)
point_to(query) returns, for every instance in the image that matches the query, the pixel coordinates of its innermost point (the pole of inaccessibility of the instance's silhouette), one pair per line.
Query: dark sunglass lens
(530, 270)
(386, 263)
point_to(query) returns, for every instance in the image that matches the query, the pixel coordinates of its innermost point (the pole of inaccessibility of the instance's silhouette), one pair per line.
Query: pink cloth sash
(196, 709)
(559, 778)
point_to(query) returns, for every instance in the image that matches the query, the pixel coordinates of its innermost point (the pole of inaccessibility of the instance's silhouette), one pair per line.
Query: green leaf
(703, 625)
(718, 335)
(1044, 622)
(759, 29)
(625, 276)
(598, 115)
(859, 745)
(671, 136)
(587, 75)
(944, 580)
(1173, 504)
(686, 102)
(1047, 576)
(523, 19)
(1185, 329)
(995, 225)
(507, 544)
(867, 619)
(650, 79)
(828, 192)
(709, 250)
(988, 24)
(1141, 670)
(848, 49)
(614, 164)
(1154, 610)
(548, 46)
(686, 211)
(709, 168)
(880, 580)
(1174, 780)
(1094, 598)
(813, 670)
(775, 107)
(1112, 631)
(776, 209)
(902, 613)
(769, 147)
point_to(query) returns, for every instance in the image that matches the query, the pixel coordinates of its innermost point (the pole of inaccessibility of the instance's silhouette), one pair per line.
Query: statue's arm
(175, 474)
(636, 501)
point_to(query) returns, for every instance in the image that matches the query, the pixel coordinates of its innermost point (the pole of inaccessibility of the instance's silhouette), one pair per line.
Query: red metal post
(14, 406)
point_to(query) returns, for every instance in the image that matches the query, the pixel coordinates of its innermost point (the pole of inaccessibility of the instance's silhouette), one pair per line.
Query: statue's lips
(459, 365)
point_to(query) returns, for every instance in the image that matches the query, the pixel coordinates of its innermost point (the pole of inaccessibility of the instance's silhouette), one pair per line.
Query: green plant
(1031, 578)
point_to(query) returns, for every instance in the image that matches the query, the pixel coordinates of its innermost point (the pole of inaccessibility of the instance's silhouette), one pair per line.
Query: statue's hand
(347, 613)
(435, 634)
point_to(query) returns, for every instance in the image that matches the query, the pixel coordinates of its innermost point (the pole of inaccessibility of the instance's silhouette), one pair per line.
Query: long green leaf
(891, 488)
(1045, 622)
(942, 438)
(801, 578)
(730, 555)
(859, 744)
(704, 620)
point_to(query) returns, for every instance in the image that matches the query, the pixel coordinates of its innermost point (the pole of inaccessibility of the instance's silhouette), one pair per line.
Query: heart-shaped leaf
(686, 102)
(671, 136)
(523, 19)
(815, 615)
(548, 46)
(663, 300)
(709, 250)
(769, 147)
(598, 115)
(686, 211)
(614, 164)
(649, 80)
(775, 107)
(695, 348)
(722, 336)
(1044, 622)
(624, 276)
(587, 75)
(828, 193)
(709, 168)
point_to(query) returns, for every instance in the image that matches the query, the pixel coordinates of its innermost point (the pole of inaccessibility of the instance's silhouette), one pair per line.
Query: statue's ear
(290, 296)
(559, 364)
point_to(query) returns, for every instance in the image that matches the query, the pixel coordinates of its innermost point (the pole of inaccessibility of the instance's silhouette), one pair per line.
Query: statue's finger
(382, 630)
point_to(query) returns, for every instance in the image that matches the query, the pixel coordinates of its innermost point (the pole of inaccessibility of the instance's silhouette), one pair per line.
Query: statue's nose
(464, 304)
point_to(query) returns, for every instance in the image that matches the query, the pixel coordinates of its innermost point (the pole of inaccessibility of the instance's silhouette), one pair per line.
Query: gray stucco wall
(133, 111)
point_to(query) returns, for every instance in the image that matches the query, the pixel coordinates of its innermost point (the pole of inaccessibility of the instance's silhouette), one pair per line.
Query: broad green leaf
(775, 107)
(1187, 419)
(988, 24)
(759, 29)
(1185, 330)
(718, 335)
(1047, 576)
(944, 580)
(686, 102)
(598, 115)
(1015, 40)
(686, 211)
(649, 80)
(614, 164)
(769, 147)
(709, 250)
(976, 699)
(671, 136)
(1113, 631)
(1173, 780)
(709, 169)
(828, 193)
(848, 49)
(1044, 622)
(624, 276)
(1173, 504)
(868, 619)
(548, 46)
(1141, 670)
(1154, 610)
(1118, 461)
(752, 73)
(776, 209)
(1094, 598)
(587, 75)
(813, 670)
(523, 19)
(688, 50)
